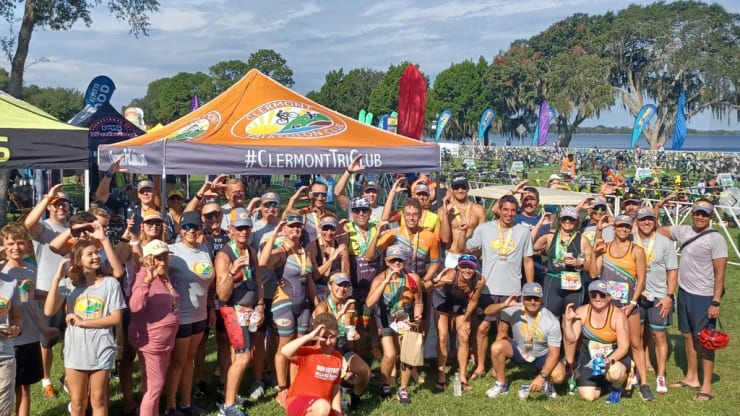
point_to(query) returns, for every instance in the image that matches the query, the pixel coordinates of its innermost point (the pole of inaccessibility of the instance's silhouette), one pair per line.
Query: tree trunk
(18, 64)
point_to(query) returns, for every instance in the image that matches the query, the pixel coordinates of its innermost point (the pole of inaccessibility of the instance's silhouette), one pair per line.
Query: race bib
(570, 281)
(619, 291)
(243, 313)
(595, 348)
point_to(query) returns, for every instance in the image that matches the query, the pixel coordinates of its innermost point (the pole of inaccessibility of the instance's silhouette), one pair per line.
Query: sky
(314, 36)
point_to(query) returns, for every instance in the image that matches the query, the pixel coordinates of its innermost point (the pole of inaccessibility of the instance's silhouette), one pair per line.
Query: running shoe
(497, 390)
(201, 389)
(49, 392)
(257, 390)
(614, 396)
(403, 396)
(173, 412)
(190, 410)
(549, 391)
(232, 410)
(660, 386)
(646, 394)
(354, 402)
(385, 392)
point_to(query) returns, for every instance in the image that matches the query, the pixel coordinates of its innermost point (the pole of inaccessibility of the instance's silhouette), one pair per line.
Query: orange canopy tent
(260, 127)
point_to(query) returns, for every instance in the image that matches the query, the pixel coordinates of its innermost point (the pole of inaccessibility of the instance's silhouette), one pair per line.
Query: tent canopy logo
(197, 127)
(287, 119)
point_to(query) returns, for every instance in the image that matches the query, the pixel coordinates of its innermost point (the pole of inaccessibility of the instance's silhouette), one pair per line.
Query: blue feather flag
(681, 130)
(642, 119)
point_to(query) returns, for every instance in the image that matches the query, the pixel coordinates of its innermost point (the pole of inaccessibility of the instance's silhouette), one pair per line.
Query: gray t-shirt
(47, 260)
(661, 257)
(696, 272)
(502, 256)
(30, 333)
(547, 334)
(8, 297)
(191, 273)
(607, 234)
(91, 348)
(260, 232)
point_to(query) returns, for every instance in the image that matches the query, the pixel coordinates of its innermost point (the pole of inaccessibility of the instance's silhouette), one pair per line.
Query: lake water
(622, 141)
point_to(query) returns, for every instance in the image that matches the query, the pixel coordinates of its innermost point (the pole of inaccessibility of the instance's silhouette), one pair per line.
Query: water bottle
(599, 365)
(457, 385)
(254, 321)
(572, 385)
(345, 398)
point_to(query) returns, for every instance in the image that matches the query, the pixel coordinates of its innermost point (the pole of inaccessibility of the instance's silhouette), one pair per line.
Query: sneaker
(660, 386)
(403, 396)
(201, 390)
(497, 389)
(549, 391)
(646, 394)
(232, 410)
(354, 402)
(173, 412)
(385, 392)
(220, 396)
(190, 410)
(614, 396)
(49, 392)
(257, 390)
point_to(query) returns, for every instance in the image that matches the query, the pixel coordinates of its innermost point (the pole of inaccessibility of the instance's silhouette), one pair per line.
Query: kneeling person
(536, 340)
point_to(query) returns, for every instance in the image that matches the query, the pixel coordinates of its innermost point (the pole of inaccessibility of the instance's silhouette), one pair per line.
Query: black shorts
(28, 367)
(487, 300)
(584, 375)
(188, 330)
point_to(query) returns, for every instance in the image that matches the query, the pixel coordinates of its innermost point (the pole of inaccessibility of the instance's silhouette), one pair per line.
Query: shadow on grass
(677, 348)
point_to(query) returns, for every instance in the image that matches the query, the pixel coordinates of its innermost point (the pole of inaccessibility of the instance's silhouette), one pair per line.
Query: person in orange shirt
(315, 389)
(568, 167)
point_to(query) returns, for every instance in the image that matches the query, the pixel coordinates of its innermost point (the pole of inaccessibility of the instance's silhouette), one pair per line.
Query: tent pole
(87, 189)
(163, 179)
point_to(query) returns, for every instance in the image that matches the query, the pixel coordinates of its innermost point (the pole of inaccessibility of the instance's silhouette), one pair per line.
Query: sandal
(465, 386)
(441, 386)
(703, 397)
(683, 384)
(476, 375)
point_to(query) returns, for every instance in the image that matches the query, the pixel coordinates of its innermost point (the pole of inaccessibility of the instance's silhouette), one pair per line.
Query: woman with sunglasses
(455, 296)
(605, 346)
(239, 287)
(296, 292)
(94, 303)
(328, 254)
(191, 271)
(395, 295)
(597, 209)
(355, 371)
(623, 266)
(154, 308)
(316, 194)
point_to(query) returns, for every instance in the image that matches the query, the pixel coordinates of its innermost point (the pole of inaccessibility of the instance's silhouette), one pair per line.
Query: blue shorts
(692, 312)
(538, 362)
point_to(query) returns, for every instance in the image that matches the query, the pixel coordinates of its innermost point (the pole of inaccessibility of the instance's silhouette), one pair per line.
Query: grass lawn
(426, 401)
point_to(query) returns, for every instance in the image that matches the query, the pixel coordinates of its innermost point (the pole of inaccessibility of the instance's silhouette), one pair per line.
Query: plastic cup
(524, 392)
(351, 332)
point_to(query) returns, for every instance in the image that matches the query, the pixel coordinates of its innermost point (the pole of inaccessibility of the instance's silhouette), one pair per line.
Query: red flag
(412, 103)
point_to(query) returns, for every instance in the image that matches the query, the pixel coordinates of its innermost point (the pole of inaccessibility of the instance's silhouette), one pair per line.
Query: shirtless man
(458, 218)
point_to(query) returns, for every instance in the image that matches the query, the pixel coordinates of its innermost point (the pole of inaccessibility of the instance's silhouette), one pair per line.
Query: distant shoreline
(598, 130)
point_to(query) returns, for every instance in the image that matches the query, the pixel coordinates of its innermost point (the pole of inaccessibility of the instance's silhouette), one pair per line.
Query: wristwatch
(715, 303)
(544, 375)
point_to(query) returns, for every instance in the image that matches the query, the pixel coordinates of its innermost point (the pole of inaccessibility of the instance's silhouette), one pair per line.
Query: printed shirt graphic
(548, 331)
(8, 297)
(191, 273)
(25, 281)
(503, 277)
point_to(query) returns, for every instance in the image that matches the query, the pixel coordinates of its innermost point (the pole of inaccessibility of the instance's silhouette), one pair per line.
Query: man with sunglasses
(317, 194)
(536, 340)
(458, 217)
(631, 202)
(656, 302)
(701, 281)
(369, 190)
(428, 220)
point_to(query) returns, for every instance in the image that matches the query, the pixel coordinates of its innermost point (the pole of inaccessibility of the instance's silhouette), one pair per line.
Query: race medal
(503, 257)
(570, 281)
(526, 352)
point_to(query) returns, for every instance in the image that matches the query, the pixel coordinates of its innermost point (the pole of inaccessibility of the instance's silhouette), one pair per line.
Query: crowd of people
(307, 298)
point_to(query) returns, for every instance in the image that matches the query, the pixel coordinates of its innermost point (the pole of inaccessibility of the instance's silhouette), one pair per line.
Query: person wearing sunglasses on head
(458, 217)
(316, 194)
(328, 254)
(455, 295)
(701, 285)
(369, 190)
(239, 287)
(605, 344)
(395, 296)
(191, 272)
(597, 209)
(57, 206)
(296, 292)
(657, 300)
(622, 265)
(568, 254)
(536, 340)
(355, 371)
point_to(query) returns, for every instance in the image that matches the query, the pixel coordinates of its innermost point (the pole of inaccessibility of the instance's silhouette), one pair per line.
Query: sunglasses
(597, 295)
(457, 187)
(61, 204)
(319, 194)
(270, 205)
(294, 218)
(242, 228)
(154, 223)
(370, 191)
(162, 256)
(212, 215)
(468, 257)
(421, 194)
(328, 228)
(76, 232)
(360, 210)
(295, 225)
(190, 227)
(345, 285)
(622, 226)
(531, 299)
(395, 260)
(701, 214)
(567, 219)
(600, 208)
